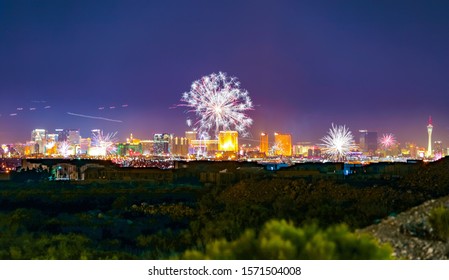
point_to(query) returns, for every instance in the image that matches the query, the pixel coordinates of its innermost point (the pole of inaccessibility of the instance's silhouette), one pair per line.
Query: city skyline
(123, 67)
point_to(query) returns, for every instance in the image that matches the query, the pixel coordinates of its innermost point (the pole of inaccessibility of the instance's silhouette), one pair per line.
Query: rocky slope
(410, 234)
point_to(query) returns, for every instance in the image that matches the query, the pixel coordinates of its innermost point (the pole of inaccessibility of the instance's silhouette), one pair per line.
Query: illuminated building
(368, 141)
(410, 150)
(306, 149)
(162, 143)
(191, 135)
(421, 152)
(204, 147)
(63, 134)
(147, 147)
(283, 144)
(132, 140)
(264, 143)
(84, 145)
(129, 149)
(39, 136)
(52, 137)
(180, 146)
(74, 136)
(51, 144)
(95, 151)
(438, 150)
(429, 132)
(228, 141)
(96, 131)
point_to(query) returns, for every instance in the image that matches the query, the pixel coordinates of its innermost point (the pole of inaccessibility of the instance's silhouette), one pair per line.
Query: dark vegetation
(136, 220)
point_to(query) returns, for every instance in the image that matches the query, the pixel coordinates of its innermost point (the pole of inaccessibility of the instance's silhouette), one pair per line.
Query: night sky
(376, 65)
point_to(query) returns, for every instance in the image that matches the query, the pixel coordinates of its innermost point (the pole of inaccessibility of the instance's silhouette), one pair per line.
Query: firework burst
(387, 141)
(219, 104)
(105, 142)
(338, 142)
(63, 148)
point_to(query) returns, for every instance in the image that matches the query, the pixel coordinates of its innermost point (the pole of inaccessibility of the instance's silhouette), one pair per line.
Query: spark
(93, 117)
(105, 142)
(219, 104)
(63, 148)
(387, 140)
(277, 147)
(338, 142)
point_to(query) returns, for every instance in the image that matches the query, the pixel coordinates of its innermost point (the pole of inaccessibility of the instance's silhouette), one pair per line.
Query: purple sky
(376, 65)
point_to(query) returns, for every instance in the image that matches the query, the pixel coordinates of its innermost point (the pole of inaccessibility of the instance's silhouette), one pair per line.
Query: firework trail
(93, 117)
(387, 141)
(219, 104)
(338, 142)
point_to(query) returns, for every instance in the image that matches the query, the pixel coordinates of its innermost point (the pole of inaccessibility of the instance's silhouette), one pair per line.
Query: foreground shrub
(281, 240)
(439, 219)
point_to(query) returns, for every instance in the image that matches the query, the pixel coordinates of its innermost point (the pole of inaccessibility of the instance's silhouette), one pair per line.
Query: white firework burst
(105, 142)
(63, 148)
(338, 142)
(219, 104)
(276, 148)
(387, 141)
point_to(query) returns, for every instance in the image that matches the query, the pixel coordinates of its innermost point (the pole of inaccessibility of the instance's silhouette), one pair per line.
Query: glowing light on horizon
(219, 104)
(338, 142)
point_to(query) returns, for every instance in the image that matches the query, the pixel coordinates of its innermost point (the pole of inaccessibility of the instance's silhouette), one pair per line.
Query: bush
(281, 240)
(439, 219)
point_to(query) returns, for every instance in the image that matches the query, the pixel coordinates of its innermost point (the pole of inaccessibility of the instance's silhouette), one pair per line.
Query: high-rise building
(162, 143)
(39, 137)
(438, 150)
(180, 146)
(283, 144)
(368, 141)
(191, 135)
(147, 147)
(228, 141)
(85, 144)
(429, 132)
(203, 147)
(264, 143)
(63, 134)
(74, 136)
(51, 144)
(361, 139)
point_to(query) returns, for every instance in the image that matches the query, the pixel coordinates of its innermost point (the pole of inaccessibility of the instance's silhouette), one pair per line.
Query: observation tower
(429, 132)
